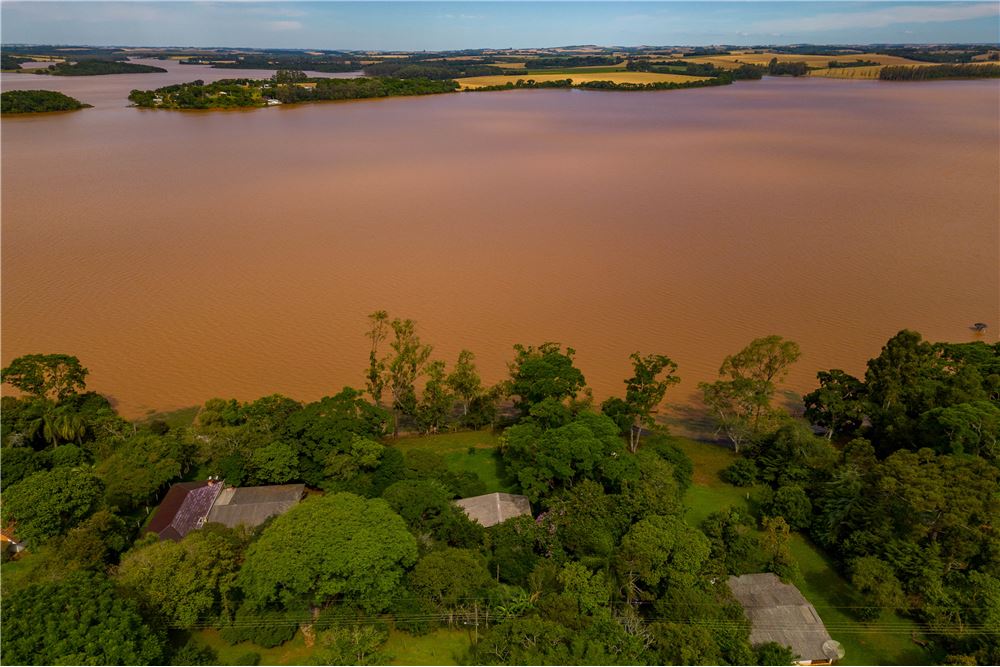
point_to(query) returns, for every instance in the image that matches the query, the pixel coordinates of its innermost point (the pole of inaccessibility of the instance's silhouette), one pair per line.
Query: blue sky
(457, 25)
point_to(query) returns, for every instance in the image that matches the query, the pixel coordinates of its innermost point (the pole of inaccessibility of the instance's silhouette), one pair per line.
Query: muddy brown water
(186, 255)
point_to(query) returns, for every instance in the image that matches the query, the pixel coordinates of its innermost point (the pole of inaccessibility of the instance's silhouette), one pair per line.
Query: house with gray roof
(779, 613)
(252, 506)
(190, 505)
(494, 508)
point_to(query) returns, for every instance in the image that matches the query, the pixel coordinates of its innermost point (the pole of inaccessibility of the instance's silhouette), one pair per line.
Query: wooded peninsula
(37, 101)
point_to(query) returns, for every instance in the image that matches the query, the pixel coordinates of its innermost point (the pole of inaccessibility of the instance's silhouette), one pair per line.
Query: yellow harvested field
(736, 59)
(848, 72)
(506, 65)
(618, 77)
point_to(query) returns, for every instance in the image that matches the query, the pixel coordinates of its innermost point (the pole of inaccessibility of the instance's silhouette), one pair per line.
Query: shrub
(742, 472)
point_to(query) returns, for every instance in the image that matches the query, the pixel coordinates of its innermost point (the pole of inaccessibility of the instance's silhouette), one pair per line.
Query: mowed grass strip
(443, 646)
(475, 82)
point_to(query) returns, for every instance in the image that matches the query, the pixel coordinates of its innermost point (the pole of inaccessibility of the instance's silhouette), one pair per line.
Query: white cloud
(880, 18)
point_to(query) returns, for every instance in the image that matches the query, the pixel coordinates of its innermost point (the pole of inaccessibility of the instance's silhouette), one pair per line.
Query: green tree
(378, 329)
(773, 653)
(277, 463)
(543, 372)
(351, 645)
(548, 459)
(78, 621)
(658, 550)
(741, 403)
(876, 581)
(50, 502)
(464, 380)
(966, 428)
(907, 379)
(774, 544)
(838, 404)
(183, 582)
(792, 503)
(403, 366)
(590, 590)
(449, 578)
(329, 426)
(142, 466)
(49, 376)
(436, 402)
(644, 391)
(335, 546)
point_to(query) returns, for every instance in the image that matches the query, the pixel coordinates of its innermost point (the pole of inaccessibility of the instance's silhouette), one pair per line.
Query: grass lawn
(182, 418)
(441, 647)
(293, 652)
(886, 642)
(466, 451)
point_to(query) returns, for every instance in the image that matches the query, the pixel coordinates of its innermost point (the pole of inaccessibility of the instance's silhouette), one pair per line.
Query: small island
(285, 87)
(98, 67)
(37, 101)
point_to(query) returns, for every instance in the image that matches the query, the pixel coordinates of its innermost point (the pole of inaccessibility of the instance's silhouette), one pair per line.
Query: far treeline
(314, 63)
(696, 69)
(895, 474)
(928, 72)
(37, 101)
(403, 68)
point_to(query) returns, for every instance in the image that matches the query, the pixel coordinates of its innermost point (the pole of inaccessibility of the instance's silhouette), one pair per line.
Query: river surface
(186, 255)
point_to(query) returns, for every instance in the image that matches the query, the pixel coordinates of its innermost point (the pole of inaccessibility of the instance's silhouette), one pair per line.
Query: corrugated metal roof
(183, 509)
(494, 508)
(779, 613)
(252, 506)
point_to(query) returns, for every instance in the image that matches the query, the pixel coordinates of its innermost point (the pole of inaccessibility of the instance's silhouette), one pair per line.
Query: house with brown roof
(190, 505)
(184, 509)
(779, 613)
(494, 508)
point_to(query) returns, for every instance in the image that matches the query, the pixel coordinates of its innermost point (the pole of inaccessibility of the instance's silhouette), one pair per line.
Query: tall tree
(404, 366)
(464, 379)
(378, 329)
(644, 391)
(741, 401)
(49, 376)
(436, 401)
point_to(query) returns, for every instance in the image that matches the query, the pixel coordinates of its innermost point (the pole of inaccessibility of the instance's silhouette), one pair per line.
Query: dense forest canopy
(37, 101)
(894, 474)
